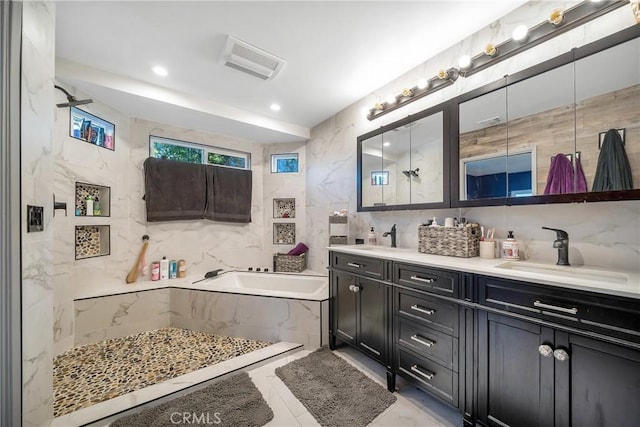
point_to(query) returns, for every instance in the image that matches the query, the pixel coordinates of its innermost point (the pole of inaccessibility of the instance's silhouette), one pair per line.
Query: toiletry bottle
(182, 268)
(173, 269)
(164, 268)
(371, 239)
(89, 202)
(510, 248)
(155, 271)
(96, 207)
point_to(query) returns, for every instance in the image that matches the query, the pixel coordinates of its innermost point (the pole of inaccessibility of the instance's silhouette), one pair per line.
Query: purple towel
(560, 178)
(299, 249)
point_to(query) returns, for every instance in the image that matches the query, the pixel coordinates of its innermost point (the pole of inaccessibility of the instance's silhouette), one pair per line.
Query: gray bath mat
(336, 393)
(232, 402)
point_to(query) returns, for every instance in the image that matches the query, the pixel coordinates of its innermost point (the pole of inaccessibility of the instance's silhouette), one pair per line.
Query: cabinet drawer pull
(422, 279)
(422, 340)
(353, 264)
(356, 288)
(428, 375)
(428, 311)
(539, 304)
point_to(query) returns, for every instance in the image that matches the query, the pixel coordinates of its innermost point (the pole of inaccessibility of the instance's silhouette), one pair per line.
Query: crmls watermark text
(203, 418)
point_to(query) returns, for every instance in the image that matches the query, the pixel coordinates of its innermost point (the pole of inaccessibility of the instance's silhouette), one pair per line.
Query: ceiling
(336, 53)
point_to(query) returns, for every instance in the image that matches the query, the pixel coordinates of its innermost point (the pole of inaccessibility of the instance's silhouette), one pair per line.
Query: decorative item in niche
(284, 208)
(284, 233)
(380, 178)
(92, 241)
(92, 129)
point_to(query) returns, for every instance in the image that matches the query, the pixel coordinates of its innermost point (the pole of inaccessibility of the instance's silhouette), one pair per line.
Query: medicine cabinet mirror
(535, 137)
(403, 165)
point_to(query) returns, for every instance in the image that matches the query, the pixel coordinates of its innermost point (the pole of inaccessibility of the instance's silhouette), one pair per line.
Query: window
(173, 149)
(284, 163)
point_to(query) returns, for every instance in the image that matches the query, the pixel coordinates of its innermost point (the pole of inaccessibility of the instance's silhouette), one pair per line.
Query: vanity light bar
(571, 18)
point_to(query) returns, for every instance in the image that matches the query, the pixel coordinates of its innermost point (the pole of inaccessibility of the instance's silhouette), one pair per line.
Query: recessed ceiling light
(520, 33)
(161, 71)
(386, 144)
(275, 107)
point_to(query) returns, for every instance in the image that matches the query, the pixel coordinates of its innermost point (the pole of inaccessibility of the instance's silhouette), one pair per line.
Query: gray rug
(336, 393)
(232, 402)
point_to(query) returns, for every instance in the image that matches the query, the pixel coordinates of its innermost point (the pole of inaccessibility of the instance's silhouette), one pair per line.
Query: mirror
(401, 166)
(608, 97)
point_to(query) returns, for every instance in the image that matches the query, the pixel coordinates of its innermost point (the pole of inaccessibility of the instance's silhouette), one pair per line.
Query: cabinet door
(344, 307)
(597, 383)
(372, 318)
(515, 382)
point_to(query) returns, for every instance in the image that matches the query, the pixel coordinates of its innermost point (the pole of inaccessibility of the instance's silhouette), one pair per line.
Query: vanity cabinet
(549, 356)
(359, 306)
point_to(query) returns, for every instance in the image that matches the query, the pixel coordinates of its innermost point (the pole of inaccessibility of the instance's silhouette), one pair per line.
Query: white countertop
(612, 282)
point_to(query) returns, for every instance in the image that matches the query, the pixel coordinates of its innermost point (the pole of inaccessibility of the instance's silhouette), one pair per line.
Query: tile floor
(413, 407)
(90, 374)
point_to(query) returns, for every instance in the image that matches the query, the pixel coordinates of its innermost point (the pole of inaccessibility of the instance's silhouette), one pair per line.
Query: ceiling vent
(251, 60)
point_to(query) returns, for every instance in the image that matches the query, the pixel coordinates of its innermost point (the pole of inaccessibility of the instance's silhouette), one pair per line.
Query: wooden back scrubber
(133, 274)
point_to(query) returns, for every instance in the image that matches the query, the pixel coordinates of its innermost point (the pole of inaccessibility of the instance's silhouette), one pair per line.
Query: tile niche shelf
(92, 241)
(284, 233)
(98, 192)
(284, 208)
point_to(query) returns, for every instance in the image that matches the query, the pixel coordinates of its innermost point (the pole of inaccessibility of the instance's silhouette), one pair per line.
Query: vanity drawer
(365, 266)
(429, 375)
(432, 280)
(427, 342)
(433, 312)
(615, 316)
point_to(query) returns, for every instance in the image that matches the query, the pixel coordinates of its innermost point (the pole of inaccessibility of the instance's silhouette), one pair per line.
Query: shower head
(407, 173)
(72, 101)
(415, 172)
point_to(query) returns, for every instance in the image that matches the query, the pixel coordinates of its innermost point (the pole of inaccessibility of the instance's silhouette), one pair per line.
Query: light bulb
(274, 107)
(386, 144)
(464, 61)
(423, 83)
(391, 99)
(520, 33)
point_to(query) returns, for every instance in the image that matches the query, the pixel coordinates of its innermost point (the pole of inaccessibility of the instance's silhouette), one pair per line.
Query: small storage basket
(461, 242)
(289, 263)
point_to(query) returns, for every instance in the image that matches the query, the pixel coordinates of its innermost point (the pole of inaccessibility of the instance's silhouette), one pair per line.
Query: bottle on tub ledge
(182, 269)
(510, 249)
(164, 268)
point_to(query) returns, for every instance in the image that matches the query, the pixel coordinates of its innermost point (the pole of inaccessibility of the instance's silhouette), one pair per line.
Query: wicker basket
(449, 241)
(290, 263)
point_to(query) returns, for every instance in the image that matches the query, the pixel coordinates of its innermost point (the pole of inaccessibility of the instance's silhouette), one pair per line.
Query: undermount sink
(577, 272)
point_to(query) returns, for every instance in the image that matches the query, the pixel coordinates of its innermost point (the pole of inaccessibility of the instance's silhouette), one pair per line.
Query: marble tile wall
(601, 234)
(284, 186)
(116, 316)
(37, 110)
(248, 316)
(205, 245)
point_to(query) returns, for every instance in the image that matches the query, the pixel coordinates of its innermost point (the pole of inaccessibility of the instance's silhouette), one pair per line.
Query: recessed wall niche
(284, 208)
(284, 233)
(99, 193)
(92, 241)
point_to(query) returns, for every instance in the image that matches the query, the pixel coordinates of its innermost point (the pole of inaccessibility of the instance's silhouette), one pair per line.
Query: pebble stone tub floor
(93, 373)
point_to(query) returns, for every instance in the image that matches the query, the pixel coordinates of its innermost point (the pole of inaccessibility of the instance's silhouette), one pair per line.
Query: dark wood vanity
(501, 351)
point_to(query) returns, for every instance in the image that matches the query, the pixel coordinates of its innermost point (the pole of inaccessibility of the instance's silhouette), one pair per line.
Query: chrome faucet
(562, 244)
(391, 233)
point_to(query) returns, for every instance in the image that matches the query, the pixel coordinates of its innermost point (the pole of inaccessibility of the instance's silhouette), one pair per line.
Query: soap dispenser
(371, 239)
(510, 248)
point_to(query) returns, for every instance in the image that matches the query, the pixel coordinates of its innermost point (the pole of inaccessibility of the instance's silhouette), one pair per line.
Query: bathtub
(294, 286)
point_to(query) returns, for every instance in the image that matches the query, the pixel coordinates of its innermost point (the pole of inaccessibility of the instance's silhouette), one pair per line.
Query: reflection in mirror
(541, 115)
(486, 177)
(483, 135)
(396, 160)
(608, 97)
(427, 145)
(372, 182)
